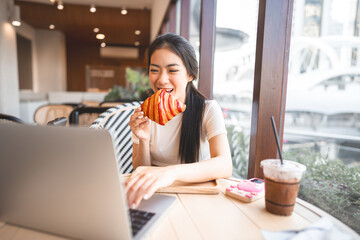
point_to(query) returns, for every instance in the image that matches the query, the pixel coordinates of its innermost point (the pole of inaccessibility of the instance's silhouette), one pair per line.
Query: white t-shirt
(164, 140)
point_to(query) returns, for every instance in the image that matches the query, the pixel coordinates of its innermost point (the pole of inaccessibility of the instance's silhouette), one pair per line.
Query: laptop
(65, 181)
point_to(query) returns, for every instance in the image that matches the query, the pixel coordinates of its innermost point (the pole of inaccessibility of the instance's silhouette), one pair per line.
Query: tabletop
(211, 216)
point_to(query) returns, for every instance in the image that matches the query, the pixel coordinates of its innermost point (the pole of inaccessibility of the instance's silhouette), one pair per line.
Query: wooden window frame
(270, 81)
(207, 47)
(185, 19)
(169, 21)
(172, 17)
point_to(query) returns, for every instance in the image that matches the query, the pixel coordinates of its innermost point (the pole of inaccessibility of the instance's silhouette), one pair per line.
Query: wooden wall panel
(80, 54)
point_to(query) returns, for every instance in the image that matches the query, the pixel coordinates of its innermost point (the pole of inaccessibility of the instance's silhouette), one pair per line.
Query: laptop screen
(63, 181)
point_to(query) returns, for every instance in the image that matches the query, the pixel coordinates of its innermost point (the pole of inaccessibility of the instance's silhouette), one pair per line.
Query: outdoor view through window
(322, 120)
(236, 28)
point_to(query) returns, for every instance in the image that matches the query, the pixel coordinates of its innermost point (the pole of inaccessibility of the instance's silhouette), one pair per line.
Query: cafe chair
(49, 112)
(84, 116)
(116, 121)
(4, 118)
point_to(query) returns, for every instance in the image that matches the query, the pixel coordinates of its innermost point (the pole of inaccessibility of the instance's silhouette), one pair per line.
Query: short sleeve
(213, 120)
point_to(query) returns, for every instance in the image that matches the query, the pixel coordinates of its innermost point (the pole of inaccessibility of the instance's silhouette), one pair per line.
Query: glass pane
(194, 37)
(178, 15)
(322, 120)
(236, 28)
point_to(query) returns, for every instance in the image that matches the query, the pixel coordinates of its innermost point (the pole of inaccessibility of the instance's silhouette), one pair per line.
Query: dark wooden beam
(271, 70)
(172, 17)
(185, 19)
(164, 28)
(207, 47)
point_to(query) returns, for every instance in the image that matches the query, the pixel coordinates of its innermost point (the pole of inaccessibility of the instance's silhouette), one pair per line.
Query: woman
(193, 146)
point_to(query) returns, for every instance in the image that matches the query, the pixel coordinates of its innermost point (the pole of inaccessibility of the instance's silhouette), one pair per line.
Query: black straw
(277, 139)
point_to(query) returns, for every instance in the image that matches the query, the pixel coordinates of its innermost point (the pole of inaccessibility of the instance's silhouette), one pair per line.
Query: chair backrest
(49, 112)
(85, 116)
(115, 103)
(116, 121)
(4, 118)
(90, 103)
(110, 104)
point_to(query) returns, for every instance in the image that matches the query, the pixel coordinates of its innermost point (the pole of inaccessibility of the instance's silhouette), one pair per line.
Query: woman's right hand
(140, 125)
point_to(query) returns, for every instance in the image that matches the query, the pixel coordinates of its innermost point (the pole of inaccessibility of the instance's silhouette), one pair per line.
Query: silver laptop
(65, 181)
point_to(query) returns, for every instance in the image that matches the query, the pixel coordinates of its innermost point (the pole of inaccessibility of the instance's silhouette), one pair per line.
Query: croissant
(161, 107)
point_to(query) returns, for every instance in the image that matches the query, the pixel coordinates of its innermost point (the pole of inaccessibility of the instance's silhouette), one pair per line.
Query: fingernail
(146, 197)
(133, 206)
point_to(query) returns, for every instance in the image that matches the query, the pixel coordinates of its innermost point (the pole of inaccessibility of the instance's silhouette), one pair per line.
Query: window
(194, 38)
(236, 28)
(323, 105)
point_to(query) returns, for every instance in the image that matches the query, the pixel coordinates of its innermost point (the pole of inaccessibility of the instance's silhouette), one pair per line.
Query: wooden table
(199, 216)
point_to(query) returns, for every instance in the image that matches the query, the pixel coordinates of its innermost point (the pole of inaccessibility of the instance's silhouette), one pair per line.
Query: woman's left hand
(144, 181)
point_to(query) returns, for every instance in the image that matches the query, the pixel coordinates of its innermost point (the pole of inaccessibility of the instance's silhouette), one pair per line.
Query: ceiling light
(103, 44)
(137, 32)
(123, 11)
(100, 36)
(16, 23)
(52, 1)
(137, 43)
(92, 8)
(15, 16)
(52, 26)
(60, 5)
(96, 30)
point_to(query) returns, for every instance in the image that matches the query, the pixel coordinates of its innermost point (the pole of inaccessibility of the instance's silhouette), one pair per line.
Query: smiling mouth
(168, 90)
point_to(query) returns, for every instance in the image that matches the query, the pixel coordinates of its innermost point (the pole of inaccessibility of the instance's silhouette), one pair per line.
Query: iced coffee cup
(281, 185)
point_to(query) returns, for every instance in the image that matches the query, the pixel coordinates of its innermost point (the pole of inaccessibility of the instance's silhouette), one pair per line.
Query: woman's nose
(164, 77)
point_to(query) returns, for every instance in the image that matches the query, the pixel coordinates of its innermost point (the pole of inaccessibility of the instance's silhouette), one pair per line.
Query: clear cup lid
(287, 166)
(290, 170)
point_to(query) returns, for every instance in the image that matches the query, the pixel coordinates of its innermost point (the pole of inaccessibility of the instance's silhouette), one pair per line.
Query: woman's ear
(190, 78)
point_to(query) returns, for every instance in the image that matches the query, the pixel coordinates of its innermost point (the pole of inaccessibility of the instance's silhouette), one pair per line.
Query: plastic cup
(282, 183)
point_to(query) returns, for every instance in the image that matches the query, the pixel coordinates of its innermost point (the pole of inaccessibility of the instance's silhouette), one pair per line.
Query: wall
(158, 11)
(51, 61)
(9, 86)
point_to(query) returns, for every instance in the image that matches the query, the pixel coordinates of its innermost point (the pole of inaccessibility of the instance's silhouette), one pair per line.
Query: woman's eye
(173, 70)
(153, 70)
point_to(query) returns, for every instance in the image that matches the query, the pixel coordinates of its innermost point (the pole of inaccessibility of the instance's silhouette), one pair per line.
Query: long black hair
(189, 146)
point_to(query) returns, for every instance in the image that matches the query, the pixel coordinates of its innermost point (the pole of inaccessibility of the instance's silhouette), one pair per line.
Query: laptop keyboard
(139, 219)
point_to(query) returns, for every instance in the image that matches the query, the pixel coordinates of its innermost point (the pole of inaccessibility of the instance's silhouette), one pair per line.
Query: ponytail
(189, 147)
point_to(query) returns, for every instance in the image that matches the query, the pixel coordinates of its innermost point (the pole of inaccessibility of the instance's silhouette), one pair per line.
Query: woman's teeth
(167, 90)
